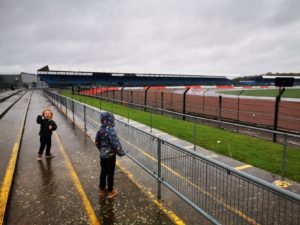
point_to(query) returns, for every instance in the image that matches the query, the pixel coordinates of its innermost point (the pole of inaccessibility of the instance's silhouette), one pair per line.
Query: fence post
(184, 102)
(162, 102)
(66, 102)
(283, 157)
(84, 118)
(145, 100)
(203, 102)
(238, 109)
(107, 94)
(73, 111)
(150, 121)
(195, 134)
(220, 110)
(122, 95)
(276, 112)
(100, 98)
(127, 113)
(158, 169)
(92, 97)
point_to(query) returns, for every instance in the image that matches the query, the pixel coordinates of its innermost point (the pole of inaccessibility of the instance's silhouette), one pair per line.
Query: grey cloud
(224, 36)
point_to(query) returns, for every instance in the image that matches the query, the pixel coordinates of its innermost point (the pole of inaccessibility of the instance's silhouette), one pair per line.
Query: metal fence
(257, 112)
(288, 141)
(220, 193)
(219, 109)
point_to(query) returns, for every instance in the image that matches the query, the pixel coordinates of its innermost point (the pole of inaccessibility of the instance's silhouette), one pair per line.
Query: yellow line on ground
(5, 189)
(9, 174)
(88, 207)
(172, 216)
(211, 156)
(169, 213)
(236, 211)
(189, 146)
(139, 125)
(173, 139)
(241, 214)
(243, 167)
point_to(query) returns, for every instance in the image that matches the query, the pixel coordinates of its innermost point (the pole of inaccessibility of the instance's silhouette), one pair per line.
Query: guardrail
(220, 193)
(282, 137)
(265, 113)
(218, 122)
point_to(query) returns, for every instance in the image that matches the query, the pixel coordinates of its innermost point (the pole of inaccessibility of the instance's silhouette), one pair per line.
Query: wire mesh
(228, 195)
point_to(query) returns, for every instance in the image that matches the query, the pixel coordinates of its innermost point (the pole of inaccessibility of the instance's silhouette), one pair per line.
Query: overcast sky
(182, 36)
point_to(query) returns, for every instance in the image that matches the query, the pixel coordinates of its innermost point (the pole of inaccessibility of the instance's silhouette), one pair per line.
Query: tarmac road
(64, 190)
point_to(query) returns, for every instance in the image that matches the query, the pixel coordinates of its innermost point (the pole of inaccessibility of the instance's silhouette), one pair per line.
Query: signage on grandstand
(284, 81)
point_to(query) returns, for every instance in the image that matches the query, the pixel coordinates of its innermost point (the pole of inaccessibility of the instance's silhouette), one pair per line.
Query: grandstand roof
(89, 71)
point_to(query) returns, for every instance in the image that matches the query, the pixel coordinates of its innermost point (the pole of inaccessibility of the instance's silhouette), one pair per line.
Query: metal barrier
(233, 126)
(282, 137)
(220, 193)
(258, 112)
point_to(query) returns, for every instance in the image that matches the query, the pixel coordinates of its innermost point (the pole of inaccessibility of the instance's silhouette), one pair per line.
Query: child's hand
(50, 127)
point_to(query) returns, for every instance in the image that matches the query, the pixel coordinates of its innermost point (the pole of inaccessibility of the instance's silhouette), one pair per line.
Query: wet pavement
(7, 94)
(10, 125)
(8, 102)
(46, 192)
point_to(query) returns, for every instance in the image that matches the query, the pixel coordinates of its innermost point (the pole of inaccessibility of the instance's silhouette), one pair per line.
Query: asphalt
(7, 102)
(10, 125)
(48, 192)
(7, 94)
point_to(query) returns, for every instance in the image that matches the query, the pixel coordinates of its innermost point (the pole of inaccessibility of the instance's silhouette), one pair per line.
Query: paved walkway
(7, 94)
(149, 184)
(64, 190)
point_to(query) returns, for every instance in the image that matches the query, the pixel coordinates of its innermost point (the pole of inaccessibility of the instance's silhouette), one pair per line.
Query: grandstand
(61, 77)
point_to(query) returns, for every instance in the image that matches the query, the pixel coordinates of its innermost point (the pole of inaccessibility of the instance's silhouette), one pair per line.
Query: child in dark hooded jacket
(47, 127)
(109, 145)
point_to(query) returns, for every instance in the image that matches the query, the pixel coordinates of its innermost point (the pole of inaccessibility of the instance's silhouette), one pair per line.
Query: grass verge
(254, 151)
(289, 93)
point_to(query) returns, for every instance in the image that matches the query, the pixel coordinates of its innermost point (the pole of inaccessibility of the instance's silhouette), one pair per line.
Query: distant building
(30, 80)
(10, 81)
(22, 80)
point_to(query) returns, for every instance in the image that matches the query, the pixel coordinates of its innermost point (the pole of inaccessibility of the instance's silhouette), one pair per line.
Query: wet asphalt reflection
(44, 192)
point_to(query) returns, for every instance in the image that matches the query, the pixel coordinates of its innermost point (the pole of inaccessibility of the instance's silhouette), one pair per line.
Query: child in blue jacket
(109, 145)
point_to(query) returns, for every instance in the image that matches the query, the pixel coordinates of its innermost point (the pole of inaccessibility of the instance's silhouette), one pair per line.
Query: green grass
(289, 93)
(257, 152)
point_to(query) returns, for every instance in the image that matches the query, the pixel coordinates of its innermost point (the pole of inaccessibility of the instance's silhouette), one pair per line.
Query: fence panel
(221, 193)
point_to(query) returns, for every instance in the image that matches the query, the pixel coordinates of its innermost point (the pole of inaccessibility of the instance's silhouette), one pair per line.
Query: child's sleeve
(54, 126)
(39, 119)
(98, 140)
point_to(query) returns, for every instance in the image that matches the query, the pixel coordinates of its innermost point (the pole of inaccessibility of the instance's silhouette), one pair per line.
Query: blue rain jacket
(106, 139)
